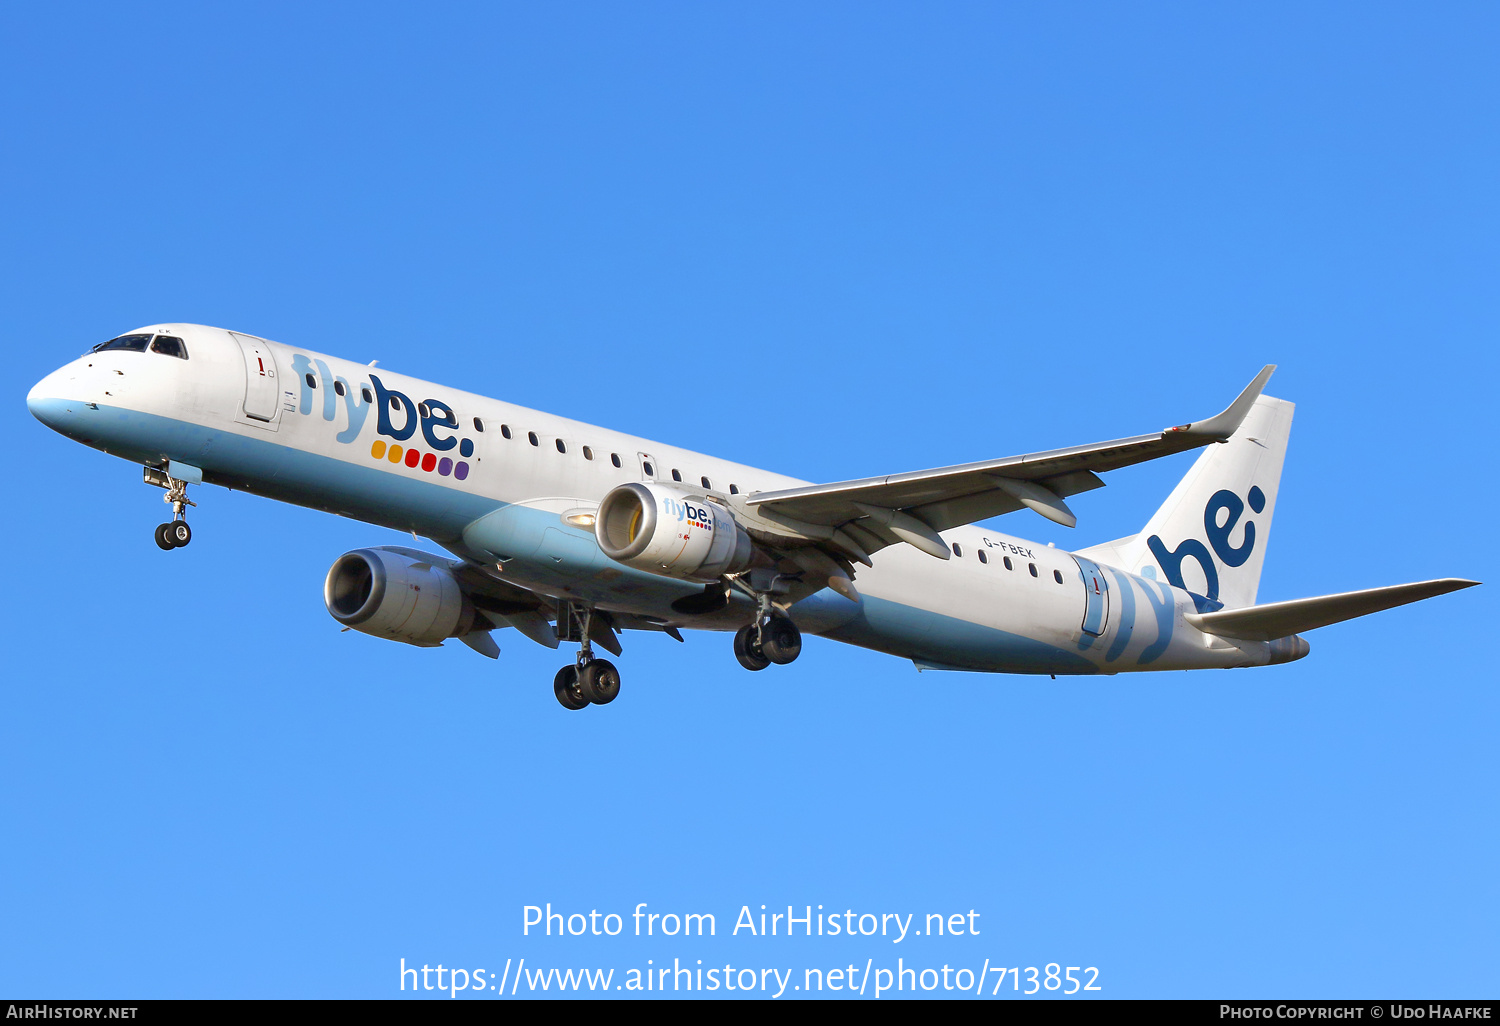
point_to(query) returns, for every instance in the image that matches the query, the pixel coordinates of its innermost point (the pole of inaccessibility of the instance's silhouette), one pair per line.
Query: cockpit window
(169, 346)
(129, 343)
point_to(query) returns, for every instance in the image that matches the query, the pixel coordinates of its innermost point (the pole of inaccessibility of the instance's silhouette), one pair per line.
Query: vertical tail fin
(1210, 536)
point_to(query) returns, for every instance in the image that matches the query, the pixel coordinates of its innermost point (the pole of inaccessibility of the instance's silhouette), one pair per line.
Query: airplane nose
(46, 402)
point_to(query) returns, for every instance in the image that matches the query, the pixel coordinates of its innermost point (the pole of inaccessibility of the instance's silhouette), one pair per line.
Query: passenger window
(1033, 568)
(982, 557)
(479, 425)
(705, 482)
(129, 343)
(338, 387)
(166, 345)
(734, 489)
(614, 458)
(395, 403)
(560, 446)
(422, 411)
(1057, 576)
(364, 393)
(958, 551)
(676, 474)
(531, 437)
(504, 430)
(588, 453)
(1007, 563)
(311, 381)
(649, 469)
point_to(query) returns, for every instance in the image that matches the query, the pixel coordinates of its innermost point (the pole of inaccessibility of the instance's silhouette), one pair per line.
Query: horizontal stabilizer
(1282, 619)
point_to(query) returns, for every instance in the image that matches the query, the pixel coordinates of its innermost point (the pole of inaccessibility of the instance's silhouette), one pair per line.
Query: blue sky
(832, 240)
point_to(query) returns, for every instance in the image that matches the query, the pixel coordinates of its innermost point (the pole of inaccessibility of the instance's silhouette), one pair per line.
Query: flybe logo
(396, 418)
(695, 515)
(1232, 506)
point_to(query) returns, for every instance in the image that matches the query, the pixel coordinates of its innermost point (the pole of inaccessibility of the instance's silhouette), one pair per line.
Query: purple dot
(461, 470)
(445, 466)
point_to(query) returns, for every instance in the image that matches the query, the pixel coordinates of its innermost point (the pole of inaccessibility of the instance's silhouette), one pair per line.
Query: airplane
(572, 533)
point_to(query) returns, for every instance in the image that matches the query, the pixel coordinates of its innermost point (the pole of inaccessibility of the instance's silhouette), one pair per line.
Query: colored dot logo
(429, 462)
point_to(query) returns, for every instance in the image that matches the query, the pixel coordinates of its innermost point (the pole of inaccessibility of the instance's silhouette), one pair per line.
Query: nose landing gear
(175, 533)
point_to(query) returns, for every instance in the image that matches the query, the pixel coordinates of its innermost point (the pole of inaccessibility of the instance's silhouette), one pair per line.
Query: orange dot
(395, 454)
(378, 449)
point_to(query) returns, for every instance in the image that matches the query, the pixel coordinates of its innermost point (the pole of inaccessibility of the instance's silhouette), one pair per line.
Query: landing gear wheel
(566, 687)
(162, 541)
(747, 651)
(179, 533)
(780, 640)
(600, 681)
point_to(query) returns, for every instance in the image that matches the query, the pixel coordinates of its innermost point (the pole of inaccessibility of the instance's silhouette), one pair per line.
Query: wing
(878, 511)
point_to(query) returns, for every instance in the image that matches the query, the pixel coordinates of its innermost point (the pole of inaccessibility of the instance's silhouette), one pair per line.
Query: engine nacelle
(669, 532)
(394, 595)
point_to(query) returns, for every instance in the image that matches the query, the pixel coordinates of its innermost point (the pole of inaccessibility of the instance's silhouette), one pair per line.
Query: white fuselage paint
(958, 613)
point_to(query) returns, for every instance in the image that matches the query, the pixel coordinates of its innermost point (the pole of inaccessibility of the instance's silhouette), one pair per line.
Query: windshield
(169, 346)
(130, 343)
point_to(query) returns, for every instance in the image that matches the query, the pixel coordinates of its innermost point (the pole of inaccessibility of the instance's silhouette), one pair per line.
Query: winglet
(1220, 427)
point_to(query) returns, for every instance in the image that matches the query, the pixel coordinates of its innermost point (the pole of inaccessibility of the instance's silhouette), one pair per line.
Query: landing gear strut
(175, 533)
(588, 681)
(771, 637)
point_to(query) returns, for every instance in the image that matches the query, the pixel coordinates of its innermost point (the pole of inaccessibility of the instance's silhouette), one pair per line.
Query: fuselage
(503, 486)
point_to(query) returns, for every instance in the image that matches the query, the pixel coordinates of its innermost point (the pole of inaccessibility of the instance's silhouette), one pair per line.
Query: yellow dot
(378, 449)
(395, 454)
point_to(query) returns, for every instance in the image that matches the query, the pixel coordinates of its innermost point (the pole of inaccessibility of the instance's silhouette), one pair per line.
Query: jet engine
(670, 532)
(397, 595)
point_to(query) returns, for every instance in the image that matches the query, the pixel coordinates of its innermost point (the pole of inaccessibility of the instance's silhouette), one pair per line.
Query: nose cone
(49, 404)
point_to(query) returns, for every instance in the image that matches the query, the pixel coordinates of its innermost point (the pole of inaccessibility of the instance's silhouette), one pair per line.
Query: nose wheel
(175, 533)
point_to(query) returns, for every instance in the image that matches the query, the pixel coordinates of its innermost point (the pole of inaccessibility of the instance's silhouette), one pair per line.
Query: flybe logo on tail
(1226, 502)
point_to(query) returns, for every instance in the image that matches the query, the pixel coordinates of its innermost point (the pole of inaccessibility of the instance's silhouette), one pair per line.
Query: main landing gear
(770, 638)
(589, 681)
(175, 533)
